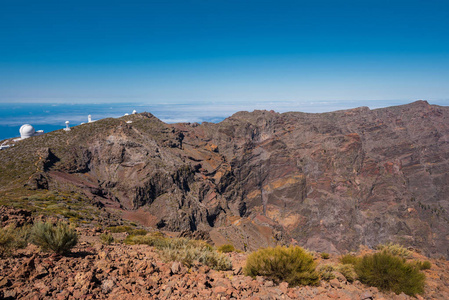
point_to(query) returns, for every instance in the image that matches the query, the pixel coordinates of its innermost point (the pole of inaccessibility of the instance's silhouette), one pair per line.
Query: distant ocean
(51, 116)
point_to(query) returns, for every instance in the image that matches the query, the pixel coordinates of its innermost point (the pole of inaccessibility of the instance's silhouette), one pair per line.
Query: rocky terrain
(333, 182)
(328, 182)
(118, 271)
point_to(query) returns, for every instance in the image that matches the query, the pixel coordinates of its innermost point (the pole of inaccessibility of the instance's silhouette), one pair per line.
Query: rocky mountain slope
(329, 182)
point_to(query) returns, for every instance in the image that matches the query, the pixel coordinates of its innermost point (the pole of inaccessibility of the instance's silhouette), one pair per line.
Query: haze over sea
(52, 116)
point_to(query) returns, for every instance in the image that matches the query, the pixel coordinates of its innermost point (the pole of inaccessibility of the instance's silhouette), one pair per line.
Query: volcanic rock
(329, 181)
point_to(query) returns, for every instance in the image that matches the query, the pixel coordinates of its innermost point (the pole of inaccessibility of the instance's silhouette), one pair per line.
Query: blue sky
(224, 52)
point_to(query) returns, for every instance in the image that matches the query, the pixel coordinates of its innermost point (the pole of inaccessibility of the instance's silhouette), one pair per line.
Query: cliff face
(328, 181)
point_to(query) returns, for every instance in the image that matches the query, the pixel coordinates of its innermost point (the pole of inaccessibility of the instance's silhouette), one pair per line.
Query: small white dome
(26, 131)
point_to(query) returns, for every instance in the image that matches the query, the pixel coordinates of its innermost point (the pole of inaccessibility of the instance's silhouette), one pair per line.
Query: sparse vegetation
(347, 270)
(226, 248)
(154, 239)
(106, 238)
(290, 264)
(183, 250)
(72, 206)
(326, 272)
(6, 240)
(127, 229)
(187, 253)
(394, 249)
(349, 259)
(138, 232)
(59, 238)
(389, 272)
(119, 229)
(12, 238)
(424, 265)
(325, 255)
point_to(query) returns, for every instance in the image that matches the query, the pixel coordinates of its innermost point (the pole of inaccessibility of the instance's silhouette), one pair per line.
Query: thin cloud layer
(171, 113)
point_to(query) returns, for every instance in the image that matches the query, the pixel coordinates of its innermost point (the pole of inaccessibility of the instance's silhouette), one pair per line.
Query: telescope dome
(27, 131)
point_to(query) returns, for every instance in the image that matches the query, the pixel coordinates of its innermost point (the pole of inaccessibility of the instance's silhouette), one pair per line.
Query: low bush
(423, 265)
(347, 270)
(290, 264)
(326, 272)
(106, 238)
(138, 232)
(183, 250)
(151, 239)
(349, 259)
(325, 255)
(188, 254)
(394, 249)
(390, 272)
(119, 229)
(59, 238)
(226, 248)
(6, 240)
(12, 238)
(127, 229)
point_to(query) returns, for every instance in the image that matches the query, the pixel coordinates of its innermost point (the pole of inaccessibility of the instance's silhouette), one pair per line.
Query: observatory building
(67, 127)
(27, 131)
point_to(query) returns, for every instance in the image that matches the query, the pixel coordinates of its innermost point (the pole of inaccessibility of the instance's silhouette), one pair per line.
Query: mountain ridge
(328, 181)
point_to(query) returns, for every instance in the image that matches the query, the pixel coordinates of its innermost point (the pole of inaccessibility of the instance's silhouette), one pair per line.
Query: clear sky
(216, 51)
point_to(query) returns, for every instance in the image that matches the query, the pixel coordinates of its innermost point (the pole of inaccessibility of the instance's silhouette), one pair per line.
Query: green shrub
(326, 272)
(347, 270)
(106, 238)
(291, 264)
(12, 238)
(349, 259)
(59, 238)
(325, 255)
(226, 248)
(22, 236)
(119, 229)
(183, 250)
(151, 239)
(394, 249)
(6, 240)
(423, 265)
(390, 272)
(138, 232)
(188, 254)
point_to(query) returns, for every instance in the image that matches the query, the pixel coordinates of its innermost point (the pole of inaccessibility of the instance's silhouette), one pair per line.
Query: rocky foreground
(118, 271)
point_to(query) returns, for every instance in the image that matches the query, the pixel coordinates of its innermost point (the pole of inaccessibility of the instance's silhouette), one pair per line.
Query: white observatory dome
(26, 131)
